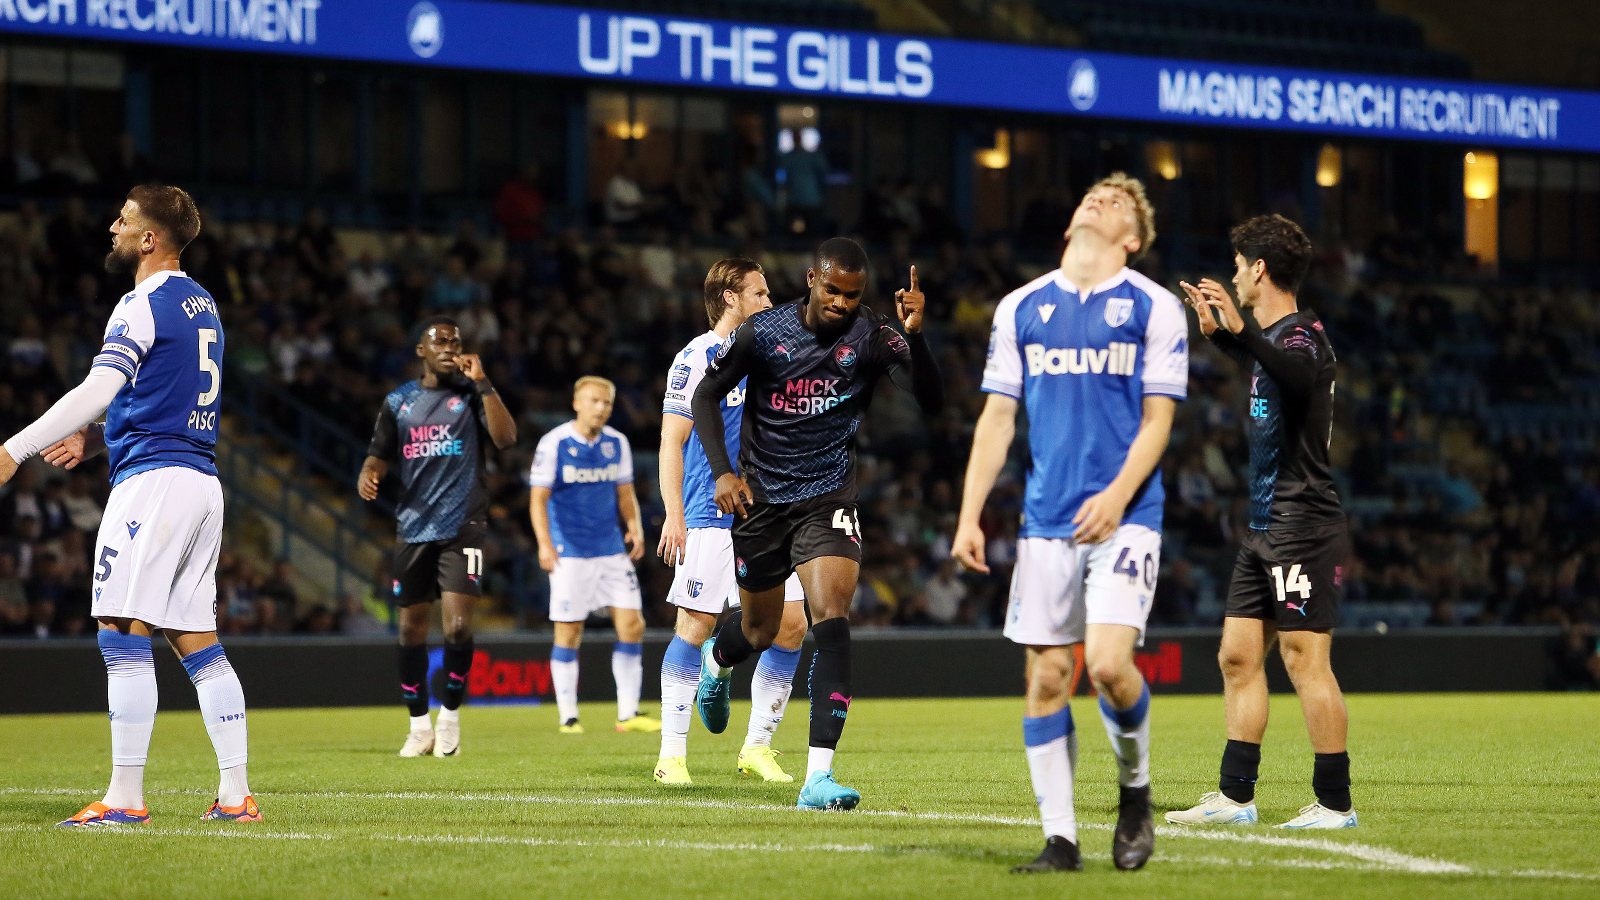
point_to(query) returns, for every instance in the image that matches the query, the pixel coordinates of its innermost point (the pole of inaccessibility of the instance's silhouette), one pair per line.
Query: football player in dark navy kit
(1288, 578)
(812, 366)
(432, 427)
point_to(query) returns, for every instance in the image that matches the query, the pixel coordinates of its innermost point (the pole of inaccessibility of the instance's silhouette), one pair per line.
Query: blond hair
(1144, 214)
(596, 381)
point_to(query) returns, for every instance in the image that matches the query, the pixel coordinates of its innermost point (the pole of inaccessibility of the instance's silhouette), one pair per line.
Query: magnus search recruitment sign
(687, 51)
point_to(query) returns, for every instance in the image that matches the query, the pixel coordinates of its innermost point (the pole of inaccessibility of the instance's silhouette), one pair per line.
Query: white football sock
(222, 705)
(421, 723)
(564, 677)
(820, 759)
(452, 716)
(131, 698)
(1129, 730)
(233, 787)
(627, 669)
(680, 676)
(769, 694)
(1052, 751)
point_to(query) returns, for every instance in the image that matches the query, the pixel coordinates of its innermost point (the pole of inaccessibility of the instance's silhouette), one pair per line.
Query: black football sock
(731, 647)
(1330, 778)
(1241, 765)
(457, 666)
(414, 677)
(830, 682)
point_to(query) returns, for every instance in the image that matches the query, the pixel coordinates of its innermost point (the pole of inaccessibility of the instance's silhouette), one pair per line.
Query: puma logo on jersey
(1118, 359)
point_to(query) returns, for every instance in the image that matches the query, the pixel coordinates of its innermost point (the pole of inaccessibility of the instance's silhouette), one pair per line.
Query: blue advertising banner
(684, 51)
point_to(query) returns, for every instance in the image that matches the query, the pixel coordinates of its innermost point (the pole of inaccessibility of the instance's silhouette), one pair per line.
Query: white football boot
(1318, 816)
(1215, 809)
(418, 743)
(446, 737)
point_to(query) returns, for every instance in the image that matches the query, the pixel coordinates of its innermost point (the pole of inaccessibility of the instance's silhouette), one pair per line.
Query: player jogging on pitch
(158, 380)
(432, 426)
(1100, 356)
(812, 366)
(1288, 578)
(696, 539)
(582, 478)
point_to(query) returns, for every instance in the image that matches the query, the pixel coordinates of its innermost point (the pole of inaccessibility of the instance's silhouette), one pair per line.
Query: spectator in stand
(624, 201)
(519, 211)
(14, 613)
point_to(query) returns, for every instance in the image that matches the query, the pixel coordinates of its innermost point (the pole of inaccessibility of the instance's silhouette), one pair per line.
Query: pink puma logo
(409, 687)
(841, 698)
(458, 677)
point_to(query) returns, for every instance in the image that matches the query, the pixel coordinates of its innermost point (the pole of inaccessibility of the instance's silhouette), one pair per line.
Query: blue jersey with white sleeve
(699, 488)
(1082, 363)
(583, 477)
(166, 337)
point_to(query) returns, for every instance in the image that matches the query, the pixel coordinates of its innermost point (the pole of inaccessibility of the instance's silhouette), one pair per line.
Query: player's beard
(121, 262)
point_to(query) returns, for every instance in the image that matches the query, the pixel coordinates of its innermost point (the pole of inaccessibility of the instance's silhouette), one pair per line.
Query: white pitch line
(1374, 858)
(502, 840)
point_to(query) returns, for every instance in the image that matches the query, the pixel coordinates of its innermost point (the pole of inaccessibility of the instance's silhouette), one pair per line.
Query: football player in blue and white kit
(582, 479)
(696, 538)
(1100, 355)
(158, 380)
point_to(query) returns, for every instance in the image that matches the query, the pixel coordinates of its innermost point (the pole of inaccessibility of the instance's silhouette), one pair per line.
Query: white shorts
(1059, 586)
(704, 581)
(580, 586)
(156, 555)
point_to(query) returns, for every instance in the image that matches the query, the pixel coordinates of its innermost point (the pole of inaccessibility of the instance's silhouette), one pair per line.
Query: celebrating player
(812, 366)
(1287, 581)
(432, 425)
(696, 539)
(1099, 354)
(158, 380)
(582, 478)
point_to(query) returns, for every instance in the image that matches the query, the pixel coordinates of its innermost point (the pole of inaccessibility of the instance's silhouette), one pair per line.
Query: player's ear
(1132, 244)
(811, 277)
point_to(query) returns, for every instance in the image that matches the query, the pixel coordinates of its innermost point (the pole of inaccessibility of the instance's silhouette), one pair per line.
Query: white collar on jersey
(1083, 296)
(575, 434)
(157, 280)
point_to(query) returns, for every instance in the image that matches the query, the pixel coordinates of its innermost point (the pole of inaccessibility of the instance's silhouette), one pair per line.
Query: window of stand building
(334, 96)
(1011, 170)
(65, 109)
(659, 159)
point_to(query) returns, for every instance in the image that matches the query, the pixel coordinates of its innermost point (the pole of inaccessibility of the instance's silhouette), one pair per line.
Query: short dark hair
(841, 253)
(726, 275)
(1280, 244)
(171, 210)
(429, 322)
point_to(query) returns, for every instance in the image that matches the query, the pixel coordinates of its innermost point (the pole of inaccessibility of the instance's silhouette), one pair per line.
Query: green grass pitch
(1459, 795)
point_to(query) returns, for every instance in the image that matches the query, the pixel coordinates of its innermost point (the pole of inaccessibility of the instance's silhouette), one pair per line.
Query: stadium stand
(1465, 435)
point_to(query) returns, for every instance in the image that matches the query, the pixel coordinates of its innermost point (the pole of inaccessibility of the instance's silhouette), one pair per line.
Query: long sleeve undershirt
(80, 406)
(1294, 371)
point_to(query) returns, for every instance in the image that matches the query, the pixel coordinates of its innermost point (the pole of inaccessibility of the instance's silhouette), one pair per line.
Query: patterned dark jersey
(434, 432)
(804, 398)
(1291, 420)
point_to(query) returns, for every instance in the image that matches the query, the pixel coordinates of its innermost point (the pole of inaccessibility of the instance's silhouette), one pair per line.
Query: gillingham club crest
(1118, 310)
(609, 451)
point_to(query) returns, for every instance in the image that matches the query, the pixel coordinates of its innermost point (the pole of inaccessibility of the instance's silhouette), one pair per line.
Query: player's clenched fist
(908, 305)
(471, 366)
(371, 474)
(967, 548)
(733, 495)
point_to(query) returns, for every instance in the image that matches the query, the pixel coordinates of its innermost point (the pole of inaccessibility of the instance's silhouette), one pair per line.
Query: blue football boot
(711, 698)
(822, 792)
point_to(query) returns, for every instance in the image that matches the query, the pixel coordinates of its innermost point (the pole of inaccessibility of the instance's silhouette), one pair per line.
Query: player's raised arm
(912, 354)
(497, 419)
(732, 364)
